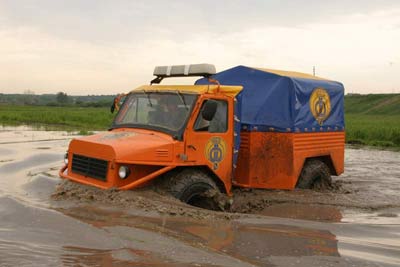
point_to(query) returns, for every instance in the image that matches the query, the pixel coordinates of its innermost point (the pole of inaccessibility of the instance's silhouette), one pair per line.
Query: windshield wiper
(148, 97)
(182, 99)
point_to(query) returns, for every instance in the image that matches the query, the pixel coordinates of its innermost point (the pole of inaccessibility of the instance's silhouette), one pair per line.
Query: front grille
(91, 167)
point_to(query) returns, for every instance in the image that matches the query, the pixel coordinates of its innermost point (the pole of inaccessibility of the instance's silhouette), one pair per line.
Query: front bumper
(113, 181)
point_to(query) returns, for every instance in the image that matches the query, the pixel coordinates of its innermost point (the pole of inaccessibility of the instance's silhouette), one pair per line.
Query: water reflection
(256, 244)
(311, 212)
(250, 243)
(77, 256)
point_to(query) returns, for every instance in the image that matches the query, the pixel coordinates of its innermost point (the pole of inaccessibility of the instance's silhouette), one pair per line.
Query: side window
(219, 123)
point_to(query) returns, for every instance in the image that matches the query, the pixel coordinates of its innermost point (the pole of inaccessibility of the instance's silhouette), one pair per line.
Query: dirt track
(49, 222)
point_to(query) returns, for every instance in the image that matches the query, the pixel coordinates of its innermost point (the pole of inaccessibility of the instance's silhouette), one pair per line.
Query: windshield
(167, 111)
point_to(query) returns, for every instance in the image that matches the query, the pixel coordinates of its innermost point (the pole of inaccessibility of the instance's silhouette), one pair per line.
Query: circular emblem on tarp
(215, 151)
(320, 105)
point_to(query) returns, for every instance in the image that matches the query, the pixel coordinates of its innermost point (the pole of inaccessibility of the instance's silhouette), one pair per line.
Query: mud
(45, 221)
(145, 201)
(347, 193)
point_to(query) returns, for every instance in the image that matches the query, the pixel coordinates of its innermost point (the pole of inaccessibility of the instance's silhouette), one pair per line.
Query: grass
(374, 130)
(373, 104)
(373, 119)
(57, 118)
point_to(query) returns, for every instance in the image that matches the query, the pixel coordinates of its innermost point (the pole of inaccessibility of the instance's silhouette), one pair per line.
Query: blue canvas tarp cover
(280, 101)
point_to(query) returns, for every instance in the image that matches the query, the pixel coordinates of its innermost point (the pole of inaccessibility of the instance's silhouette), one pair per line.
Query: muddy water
(46, 222)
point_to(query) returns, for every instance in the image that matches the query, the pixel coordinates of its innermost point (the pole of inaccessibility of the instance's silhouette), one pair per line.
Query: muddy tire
(192, 187)
(315, 175)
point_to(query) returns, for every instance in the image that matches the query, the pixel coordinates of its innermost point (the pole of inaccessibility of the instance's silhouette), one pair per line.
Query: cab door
(210, 143)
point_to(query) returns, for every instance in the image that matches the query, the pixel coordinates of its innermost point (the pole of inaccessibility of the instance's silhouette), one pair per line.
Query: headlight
(123, 172)
(66, 158)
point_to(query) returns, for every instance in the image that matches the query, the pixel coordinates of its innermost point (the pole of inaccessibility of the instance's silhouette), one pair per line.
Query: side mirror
(209, 110)
(112, 109)
(115, 104)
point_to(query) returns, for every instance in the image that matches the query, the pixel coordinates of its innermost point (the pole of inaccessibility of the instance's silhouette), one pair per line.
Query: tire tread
(310, 172)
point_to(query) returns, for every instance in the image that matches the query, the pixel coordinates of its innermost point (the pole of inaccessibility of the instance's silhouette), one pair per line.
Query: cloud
(352, 48)
(124, 20)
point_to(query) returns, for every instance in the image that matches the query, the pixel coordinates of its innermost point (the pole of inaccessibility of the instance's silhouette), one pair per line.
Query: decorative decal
(215, 151)
(320, 105)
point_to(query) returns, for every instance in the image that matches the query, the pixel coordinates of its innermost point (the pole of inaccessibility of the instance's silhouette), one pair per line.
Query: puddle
(357, 224)
(305, 212)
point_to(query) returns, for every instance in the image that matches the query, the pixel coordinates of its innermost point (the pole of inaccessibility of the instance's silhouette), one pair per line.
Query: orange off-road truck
(243, 127)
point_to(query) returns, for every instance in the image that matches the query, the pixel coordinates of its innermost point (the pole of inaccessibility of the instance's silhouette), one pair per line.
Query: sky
(106, 47)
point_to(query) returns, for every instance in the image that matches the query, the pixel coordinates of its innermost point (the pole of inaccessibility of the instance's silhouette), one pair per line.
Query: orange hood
(126, 145)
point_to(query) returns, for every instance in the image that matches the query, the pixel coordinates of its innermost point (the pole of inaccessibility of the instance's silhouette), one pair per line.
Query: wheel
(315, 174)
(191, 186)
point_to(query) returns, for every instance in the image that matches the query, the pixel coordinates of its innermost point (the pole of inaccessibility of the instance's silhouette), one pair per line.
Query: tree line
(60, 99)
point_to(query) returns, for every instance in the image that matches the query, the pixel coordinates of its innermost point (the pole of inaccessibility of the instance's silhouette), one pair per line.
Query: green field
(375, 130)
(370, 119)
(373, 104)
(373, 119)
(57, 118)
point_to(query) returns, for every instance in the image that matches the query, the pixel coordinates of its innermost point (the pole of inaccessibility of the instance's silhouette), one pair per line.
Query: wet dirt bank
(49, 222)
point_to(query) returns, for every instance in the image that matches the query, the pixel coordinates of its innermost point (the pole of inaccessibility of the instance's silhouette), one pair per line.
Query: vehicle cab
(159, 128)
